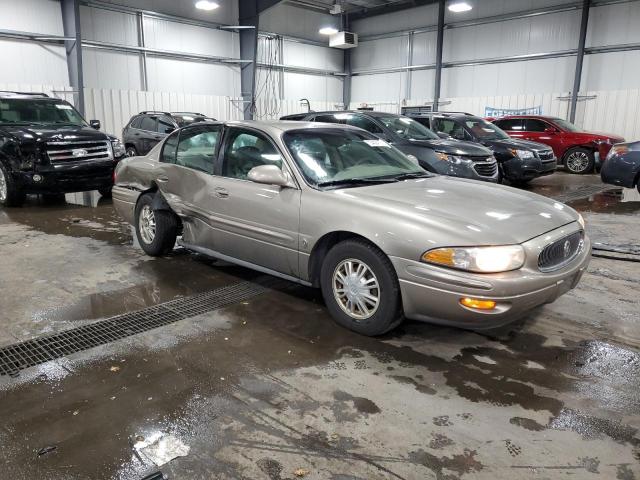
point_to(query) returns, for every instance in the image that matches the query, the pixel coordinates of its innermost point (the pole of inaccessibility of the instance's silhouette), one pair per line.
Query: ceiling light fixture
(206, 5)
(458, 7)
(328, 31)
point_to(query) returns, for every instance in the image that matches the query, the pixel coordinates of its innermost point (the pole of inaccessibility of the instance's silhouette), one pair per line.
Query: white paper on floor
(160, 448)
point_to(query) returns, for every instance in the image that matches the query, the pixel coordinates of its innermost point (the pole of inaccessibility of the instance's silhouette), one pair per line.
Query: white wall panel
(386, 87)
(109, 69)
(305, 55)
(313, 87)
(297, 22)
(422, 84)
(611, 71)
(172, 75)
(614, 24)
(382, 53)
(424, 48)
(403, 20)
(37, 16)
(168, 35)
(108, 26)
(25, 62)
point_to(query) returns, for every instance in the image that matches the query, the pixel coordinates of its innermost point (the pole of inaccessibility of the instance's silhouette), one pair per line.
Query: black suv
(433, 153)
(520, 161)
(47, 147)
(145, 130)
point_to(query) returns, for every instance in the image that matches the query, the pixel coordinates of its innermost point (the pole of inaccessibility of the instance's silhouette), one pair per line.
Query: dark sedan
(445, 156)
(622, 166)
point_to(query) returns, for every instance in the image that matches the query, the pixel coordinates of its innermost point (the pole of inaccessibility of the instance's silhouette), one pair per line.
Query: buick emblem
(566, 248)
(79, 152)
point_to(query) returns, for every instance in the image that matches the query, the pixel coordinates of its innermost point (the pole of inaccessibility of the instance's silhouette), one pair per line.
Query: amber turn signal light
(478, 304)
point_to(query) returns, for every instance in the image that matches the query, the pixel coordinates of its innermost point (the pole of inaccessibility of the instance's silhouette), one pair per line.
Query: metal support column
(144, 82)
(440, 41)
(73, 48)
(578, 76)
(346, 81)
(407, 87)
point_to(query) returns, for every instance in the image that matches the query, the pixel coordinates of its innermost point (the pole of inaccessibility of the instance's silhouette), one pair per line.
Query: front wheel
(360, 288)
(579, 161)
(105, 192)
(156, 230)
(10, 194)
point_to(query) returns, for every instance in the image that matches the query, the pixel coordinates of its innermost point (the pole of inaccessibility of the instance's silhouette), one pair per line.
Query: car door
(538, 130)
(258, 223)
(185, 179)
(148, 129)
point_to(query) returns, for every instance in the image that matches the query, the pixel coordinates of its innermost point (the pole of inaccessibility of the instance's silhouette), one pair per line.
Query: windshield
(326, 156)
(408, 128)
(485, 130)
(21, 110)
(568, 126)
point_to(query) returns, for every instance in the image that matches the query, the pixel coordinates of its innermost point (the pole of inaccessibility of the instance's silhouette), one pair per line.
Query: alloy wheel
(3, 186)
(147, 224)
(131, 152)
(356, 289)
(578, 162)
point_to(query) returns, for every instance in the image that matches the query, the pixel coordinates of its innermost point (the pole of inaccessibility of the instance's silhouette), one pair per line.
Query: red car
(578, 150)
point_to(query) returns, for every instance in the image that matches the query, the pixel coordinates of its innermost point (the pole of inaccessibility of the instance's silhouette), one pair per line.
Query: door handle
(163, 179)
(221, 192)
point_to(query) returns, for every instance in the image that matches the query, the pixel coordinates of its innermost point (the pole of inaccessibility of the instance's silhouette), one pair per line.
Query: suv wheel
(10, 194)
(579, 160)
(360, 288)
(105, 192)
(156, 230)
(131, 151)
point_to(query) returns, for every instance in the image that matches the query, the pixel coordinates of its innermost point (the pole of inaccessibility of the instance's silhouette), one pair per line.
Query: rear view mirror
(269, 175)
(95, 124)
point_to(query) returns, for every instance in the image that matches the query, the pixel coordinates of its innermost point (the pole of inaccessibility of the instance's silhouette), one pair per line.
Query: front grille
(486, 168)
(546, 155)
(559, 253)
(62, 152)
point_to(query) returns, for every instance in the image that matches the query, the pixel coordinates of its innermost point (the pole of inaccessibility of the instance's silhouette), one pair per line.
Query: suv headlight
(522, 153)
(451, 158)
(118, 148)
(478, 259)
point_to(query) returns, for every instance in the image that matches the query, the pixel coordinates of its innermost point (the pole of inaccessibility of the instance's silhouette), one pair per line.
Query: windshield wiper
(409, 176)
(357, 181)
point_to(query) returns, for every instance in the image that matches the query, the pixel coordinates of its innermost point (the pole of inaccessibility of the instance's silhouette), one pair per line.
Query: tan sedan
(336, 208)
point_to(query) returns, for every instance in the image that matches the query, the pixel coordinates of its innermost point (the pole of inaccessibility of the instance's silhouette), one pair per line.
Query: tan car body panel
(275, 229)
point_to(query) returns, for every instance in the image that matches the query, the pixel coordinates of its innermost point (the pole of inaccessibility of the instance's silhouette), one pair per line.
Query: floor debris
(160, 448)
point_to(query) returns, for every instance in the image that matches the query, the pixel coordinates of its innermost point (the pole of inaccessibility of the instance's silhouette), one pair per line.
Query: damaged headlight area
(522, 153)
(28, 161)
(478, 259)
(456, 159)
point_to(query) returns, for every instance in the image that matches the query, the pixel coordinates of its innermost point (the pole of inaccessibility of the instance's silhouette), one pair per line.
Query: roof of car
(372, 113)
(542, 117)
(285, 125)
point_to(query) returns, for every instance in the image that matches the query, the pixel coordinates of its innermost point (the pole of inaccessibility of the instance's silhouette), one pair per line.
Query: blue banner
(501, 112)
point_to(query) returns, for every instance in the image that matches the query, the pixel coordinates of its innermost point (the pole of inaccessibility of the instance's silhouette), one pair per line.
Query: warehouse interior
(244, 374)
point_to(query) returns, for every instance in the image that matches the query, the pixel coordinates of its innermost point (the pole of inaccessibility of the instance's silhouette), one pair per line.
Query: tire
(381, 317)
(159, 239)
(131, 151)
(105, 192)
(10, 194)
(579, 161)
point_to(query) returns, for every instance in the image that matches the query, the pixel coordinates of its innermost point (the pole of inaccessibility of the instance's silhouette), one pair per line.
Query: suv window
(169, 148)
(165, 125)
(135, 123)
(452, 128)
(246, 149)
(197, 147)
(512, 124)
(148, 123)
(423, 121)
(364, 123)
(533, 125)
(330, 119)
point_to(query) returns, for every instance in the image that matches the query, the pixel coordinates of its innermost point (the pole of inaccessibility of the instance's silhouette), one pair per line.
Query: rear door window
(510, 124)
(148, 123)
(165, 125)
(197, 147)
(534, 125)
(135, 123)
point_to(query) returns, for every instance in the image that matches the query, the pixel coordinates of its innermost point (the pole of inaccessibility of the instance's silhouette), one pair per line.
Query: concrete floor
(265, 387)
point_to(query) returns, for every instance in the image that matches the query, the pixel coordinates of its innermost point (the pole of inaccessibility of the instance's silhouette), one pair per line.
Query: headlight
(581, 221)
(451, 158)
(617, 150)
(478, 259)
(118, 148)
(522, 153)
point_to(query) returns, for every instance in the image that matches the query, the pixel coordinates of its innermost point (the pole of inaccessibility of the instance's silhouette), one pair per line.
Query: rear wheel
(156, 230)
(131, 151)
(579, 160)
(360, 288)
(105, 192)
(10, 194)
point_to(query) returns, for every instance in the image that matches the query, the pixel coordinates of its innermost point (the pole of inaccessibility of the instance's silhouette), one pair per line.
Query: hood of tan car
(461, 212)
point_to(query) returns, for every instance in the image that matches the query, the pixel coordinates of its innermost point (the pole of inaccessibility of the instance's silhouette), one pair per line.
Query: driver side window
(454, 129)
(246, 149)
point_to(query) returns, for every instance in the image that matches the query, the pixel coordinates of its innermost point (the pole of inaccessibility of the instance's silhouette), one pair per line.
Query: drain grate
(14, 358)
(584, 191)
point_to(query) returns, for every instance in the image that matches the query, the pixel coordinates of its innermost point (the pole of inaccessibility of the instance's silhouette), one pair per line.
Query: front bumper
(433, 294)
(527, 169)
(620, 171)
(466, 169)
(124, 202)
(79, 177)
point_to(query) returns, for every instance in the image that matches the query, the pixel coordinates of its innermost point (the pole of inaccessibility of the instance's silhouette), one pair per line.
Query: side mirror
(269, 175)
(443, 135)
(95, 124)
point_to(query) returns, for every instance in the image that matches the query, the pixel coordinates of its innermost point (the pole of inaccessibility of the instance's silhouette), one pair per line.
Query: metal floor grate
(14, 358)
(584, 191)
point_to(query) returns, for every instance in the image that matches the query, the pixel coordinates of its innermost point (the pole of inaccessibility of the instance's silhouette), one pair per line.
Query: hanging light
(458, 7)
(206, 5)
(328, 31)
